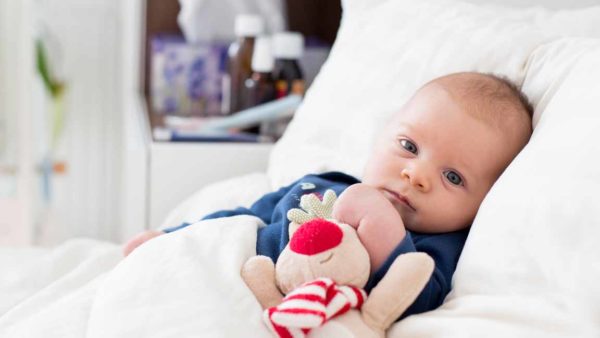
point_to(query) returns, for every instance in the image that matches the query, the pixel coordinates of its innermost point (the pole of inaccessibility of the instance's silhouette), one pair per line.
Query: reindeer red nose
(316, 236)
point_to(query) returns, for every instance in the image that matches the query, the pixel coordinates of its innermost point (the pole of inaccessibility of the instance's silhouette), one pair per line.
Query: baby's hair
(514, 92)
(491, 98)
(523, 99)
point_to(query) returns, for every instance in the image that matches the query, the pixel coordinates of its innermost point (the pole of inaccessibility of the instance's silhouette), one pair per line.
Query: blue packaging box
(187, 79)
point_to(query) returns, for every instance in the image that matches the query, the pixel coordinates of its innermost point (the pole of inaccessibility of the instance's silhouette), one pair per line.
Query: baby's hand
(379, 226)
(140, 239)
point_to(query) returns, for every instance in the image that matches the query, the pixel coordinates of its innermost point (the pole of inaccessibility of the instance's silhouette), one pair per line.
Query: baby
(423, 184)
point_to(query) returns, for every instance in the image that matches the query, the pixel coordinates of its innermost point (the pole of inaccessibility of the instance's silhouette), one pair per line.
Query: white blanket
(183, 284)
(48, 293)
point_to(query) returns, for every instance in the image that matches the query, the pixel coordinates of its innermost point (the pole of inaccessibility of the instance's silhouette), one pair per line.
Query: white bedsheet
(48, 292)
(85, 288)
(183, 284)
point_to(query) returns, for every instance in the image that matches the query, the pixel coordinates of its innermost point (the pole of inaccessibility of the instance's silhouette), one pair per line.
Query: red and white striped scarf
(311, 305)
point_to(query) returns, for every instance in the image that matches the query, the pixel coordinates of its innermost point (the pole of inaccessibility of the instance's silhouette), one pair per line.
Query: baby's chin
(433, 228)
(414, 222)
(413, 227)
(418, 221)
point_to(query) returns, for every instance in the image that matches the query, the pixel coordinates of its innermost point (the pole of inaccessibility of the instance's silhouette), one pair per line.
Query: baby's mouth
(400, 199)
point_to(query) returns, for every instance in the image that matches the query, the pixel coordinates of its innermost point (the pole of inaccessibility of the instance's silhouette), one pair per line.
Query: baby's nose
(417, 178)
(316, 236)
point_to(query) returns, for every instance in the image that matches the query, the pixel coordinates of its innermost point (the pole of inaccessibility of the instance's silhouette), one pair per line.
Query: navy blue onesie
(272, 209)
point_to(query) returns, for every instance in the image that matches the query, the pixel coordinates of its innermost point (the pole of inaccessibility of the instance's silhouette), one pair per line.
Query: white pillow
(531, 267)
(547, 68)
(385, 50)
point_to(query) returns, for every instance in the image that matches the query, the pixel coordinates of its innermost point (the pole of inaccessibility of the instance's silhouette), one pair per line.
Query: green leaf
(53, 86)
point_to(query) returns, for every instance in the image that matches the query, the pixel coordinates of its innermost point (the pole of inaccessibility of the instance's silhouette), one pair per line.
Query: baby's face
(435, 162)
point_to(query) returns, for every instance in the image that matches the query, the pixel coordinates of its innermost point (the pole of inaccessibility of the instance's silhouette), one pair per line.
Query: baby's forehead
(488, 98)
(467, 89)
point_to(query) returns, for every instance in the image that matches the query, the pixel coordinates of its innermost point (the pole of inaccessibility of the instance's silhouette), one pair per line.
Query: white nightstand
(157, 176)
(160, 175)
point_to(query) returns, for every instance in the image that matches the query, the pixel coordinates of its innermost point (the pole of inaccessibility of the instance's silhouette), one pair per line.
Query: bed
(530, 267)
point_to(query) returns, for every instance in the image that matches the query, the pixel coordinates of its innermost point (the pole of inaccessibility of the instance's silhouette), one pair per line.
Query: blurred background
(101, 103)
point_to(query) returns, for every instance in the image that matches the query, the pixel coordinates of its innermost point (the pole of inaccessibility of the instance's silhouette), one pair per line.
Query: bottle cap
(249, 25)
(262, 56)
(288, 45)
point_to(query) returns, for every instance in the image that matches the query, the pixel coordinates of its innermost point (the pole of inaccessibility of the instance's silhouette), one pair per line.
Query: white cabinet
(160, 175)
(156, 176)
(179, 169)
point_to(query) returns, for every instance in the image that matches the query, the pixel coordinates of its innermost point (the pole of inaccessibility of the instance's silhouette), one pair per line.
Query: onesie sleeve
(262, 208)
(445, 250)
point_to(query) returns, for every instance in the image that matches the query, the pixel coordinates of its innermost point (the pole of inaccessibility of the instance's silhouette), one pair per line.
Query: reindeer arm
(398, 289)
(259, 274)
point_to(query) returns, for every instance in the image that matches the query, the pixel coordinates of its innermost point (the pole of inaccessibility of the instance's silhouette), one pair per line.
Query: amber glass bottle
(260, 86)
(287, 74)
(247, 27)
(287, 50)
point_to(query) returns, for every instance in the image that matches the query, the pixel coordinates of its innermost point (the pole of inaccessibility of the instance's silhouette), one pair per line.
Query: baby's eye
(453, 177)
(409, 146)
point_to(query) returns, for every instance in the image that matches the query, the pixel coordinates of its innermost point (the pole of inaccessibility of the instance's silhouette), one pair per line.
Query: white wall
(16, 69)
(543, 3)
(135, 173)
(86, 200)
(98, 43)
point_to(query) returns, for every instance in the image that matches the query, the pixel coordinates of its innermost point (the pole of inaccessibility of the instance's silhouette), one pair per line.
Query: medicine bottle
(260, 87)
(239, 58)
(287, 50)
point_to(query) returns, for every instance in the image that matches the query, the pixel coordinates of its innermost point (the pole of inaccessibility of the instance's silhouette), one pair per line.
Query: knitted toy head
(321, 247)
(321, 272)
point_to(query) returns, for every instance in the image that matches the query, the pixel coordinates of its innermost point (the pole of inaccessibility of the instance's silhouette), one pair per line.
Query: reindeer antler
(313, 208)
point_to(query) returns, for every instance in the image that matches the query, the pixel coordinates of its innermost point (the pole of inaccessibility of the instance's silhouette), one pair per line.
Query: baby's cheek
(448, 216)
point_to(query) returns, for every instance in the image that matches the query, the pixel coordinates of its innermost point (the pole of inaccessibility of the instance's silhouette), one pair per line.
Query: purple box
(186, 79)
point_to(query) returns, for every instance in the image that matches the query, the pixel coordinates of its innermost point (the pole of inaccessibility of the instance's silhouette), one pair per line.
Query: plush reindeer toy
(315, 289)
